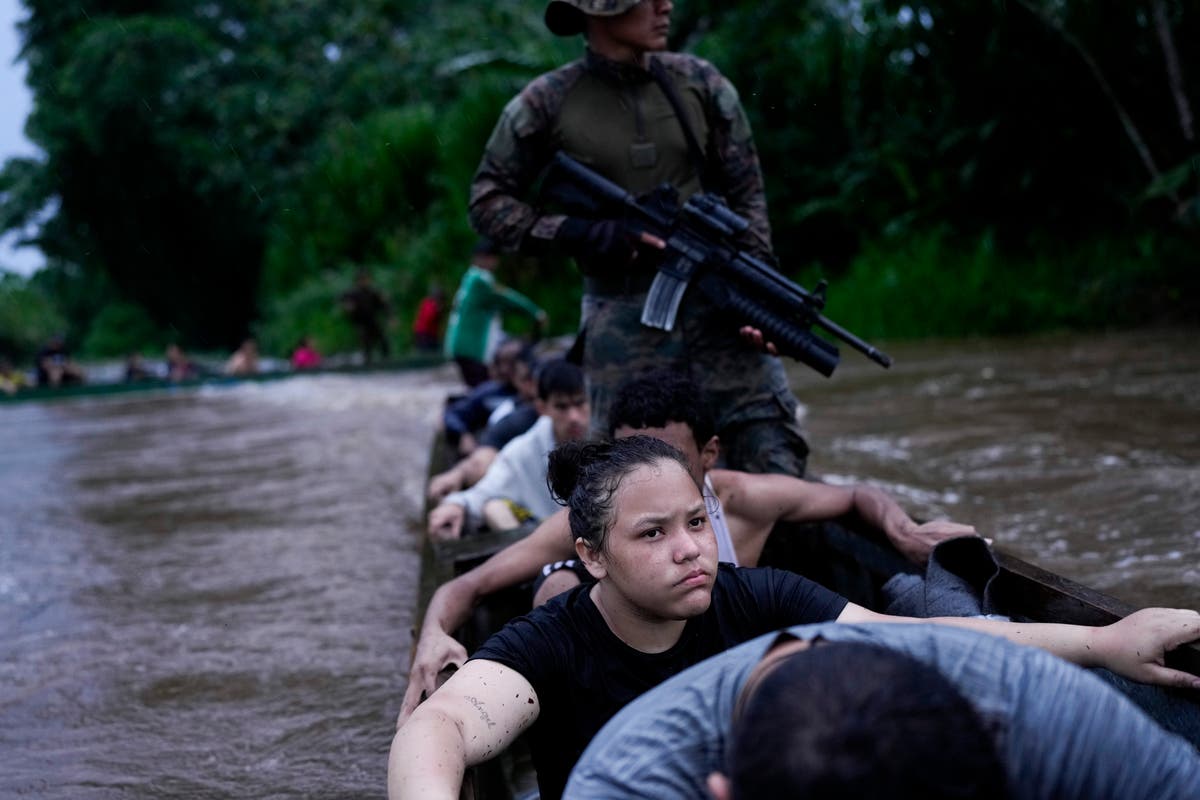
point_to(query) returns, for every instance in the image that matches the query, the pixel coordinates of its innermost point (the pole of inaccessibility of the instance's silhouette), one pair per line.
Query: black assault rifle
(700, 248)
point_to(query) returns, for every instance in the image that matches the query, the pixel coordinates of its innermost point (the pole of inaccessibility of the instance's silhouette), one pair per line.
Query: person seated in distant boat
(305, 355)
(136, 369)
(510, 423)
(489, 401)
(883, 712)
(744, 510)
(514, 488)
(54, 365)
(12, 379)
(179, 366)
(659, 604)
(244, 360)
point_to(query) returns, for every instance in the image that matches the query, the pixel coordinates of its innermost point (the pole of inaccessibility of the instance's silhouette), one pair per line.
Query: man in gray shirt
(1058, 731)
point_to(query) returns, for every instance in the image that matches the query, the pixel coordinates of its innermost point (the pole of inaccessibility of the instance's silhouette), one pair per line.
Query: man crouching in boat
(516, 480)
(661, 603)
(747, 506)
(884, 711)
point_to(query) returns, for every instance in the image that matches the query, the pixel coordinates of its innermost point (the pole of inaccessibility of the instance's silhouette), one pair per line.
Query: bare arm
(451, 605)
(463, 474)
(475, 466)
(914, 541)
(447, 519)
(1134, 646)
(756, 502)
(478, 713)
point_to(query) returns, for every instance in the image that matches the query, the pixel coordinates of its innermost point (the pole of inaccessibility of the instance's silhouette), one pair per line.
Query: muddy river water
(208, 593)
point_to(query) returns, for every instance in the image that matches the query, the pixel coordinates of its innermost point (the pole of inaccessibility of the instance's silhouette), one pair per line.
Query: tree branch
(1174, 73)
(1127, 123)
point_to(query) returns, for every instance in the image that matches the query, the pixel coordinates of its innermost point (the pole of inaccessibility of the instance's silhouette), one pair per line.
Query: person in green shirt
(474, 330)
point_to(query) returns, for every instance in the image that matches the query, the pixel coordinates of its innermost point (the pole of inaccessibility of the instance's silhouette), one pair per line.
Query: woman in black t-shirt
(659, 604)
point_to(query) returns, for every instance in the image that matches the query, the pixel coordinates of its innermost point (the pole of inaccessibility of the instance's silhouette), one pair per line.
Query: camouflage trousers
(748, 392)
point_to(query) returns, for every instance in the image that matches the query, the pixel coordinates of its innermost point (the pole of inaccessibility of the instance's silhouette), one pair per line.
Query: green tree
(226, 164)
(171, 132)
(28, 317)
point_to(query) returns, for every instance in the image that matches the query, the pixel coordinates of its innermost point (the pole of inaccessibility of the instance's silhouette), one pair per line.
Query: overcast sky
(15, 103)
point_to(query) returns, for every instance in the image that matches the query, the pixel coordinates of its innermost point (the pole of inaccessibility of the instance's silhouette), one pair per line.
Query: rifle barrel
(870, 351)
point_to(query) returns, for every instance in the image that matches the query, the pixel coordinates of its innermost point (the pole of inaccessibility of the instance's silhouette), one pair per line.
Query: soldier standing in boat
(642, 117)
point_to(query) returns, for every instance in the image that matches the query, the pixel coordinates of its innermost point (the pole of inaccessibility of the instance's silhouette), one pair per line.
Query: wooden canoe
(843, 555)
(99, 389)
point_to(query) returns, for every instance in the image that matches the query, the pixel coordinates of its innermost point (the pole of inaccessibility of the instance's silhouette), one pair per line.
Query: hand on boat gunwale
(446, 521)
(436, 651)
(917, 543)
(1136, 645)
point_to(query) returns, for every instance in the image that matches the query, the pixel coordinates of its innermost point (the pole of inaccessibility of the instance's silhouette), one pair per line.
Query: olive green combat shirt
(597, 111)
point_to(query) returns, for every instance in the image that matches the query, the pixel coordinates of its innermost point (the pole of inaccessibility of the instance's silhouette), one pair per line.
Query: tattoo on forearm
(483, 715)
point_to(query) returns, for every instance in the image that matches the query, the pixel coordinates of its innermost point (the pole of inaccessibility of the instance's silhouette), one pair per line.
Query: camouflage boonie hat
(566, 17)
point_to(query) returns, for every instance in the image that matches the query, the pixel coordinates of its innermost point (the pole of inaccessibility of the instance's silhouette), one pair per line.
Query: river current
(208, 593)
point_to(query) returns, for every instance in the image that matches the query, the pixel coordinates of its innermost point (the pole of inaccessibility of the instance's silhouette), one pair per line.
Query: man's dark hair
(654, 399)
(527, 355)
(485, 246)
(558, 376)
(862, 721)
(515, 350)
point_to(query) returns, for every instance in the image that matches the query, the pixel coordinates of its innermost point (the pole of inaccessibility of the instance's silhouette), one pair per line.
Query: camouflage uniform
(615, 118)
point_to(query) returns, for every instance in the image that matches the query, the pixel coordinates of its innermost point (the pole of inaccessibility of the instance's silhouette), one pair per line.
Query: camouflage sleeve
(516, 153)
(736, 163)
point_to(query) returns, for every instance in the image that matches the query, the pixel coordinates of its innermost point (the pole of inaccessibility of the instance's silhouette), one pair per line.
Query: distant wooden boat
(100, 389)
(843, 555)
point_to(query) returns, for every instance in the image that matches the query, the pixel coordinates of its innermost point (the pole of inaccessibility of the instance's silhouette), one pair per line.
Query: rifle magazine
(662, 302)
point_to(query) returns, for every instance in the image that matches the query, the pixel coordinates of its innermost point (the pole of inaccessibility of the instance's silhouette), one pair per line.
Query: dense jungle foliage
(951, 166)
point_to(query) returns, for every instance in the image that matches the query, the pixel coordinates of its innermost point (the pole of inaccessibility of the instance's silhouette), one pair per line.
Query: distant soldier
(642, 117)
(366, 308)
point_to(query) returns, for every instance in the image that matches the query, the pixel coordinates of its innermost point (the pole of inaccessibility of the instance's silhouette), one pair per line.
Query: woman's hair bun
(568, 462)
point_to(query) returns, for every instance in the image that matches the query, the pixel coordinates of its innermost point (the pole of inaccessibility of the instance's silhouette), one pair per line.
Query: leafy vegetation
(951, 167)
(27, 317)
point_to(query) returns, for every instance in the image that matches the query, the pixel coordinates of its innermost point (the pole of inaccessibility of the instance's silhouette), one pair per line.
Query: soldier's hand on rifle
(608, 240)
(754, 337)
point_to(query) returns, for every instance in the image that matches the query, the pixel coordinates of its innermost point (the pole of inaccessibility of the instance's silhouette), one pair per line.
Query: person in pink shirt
(305, 356)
